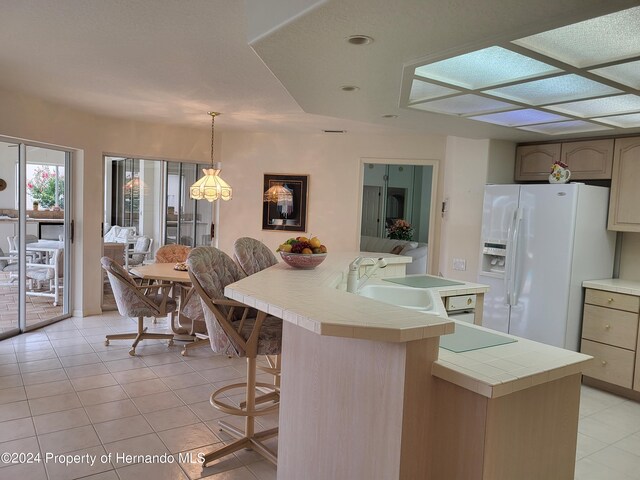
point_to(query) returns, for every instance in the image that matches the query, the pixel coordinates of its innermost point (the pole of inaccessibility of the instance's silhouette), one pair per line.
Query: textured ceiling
(267, 65)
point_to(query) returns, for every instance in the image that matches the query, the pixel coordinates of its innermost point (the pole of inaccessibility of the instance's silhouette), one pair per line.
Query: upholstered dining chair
(141, 250)
(192, 308)
(233, 332)
(252, 255)
(139, 301)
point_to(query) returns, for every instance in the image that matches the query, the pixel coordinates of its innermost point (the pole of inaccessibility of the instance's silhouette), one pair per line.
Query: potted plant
(35, 206)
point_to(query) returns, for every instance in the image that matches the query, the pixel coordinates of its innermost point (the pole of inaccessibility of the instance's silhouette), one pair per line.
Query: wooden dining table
(166, 272)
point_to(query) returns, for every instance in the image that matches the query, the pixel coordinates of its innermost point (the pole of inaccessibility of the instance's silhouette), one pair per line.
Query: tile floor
(62, 391)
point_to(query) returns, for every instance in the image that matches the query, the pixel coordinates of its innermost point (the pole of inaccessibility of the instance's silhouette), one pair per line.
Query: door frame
(432, 250)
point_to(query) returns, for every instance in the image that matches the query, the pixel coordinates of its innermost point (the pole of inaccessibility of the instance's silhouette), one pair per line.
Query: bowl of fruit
(302, 252)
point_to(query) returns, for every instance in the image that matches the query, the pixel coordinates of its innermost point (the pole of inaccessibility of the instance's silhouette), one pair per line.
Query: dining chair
(191, 308)
(139, 301)
(233, 332)
(252, 255)
(8, 267)
(141, 250)
(49, 273)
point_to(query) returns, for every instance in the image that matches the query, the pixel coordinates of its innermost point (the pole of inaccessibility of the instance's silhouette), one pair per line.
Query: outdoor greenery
(42, 187)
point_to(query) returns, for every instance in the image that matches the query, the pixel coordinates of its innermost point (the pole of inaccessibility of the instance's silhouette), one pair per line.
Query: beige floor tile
(263, 470)
(156, 471)
(35, 355)
(205, 411)
(16, 429)
(44, 376)
(122, 428)
(145, 387)
(84, 359)
(40, 365)
(137, 375)
(95, 381)
(191, 464)
(102, 395)
(157, 401)
(48, 389)
(28, 445)
(129, 363)
(12, 394)
(9, 369)
(60, 471)
(186, 438)
(52, 422)
(242, 473)
(171, 418)
(171, 369)
(55, 403)
(30, 471)
(8, 358)
(74, 350)
(104, 412)
(186, 380)
(86, 370)
(149, 444)
(161, 359)
(15, 410)
(197, 394)
(7, 381)
(222, 374)
(64, 441)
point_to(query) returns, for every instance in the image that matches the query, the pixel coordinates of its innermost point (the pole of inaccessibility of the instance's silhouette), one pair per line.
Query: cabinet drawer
(613, 327)
(619, 301)
(611, 364)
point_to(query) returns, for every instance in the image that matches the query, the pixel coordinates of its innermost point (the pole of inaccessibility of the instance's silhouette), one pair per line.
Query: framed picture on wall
(284, 205)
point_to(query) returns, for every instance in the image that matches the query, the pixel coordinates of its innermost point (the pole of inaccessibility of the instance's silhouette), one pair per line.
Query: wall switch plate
(459, 264)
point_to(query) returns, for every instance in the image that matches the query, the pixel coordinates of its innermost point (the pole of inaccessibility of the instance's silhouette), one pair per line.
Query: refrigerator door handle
(507, 267)
(513, 253)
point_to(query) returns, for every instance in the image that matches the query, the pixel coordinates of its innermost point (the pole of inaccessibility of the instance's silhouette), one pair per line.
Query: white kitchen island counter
(367, 394)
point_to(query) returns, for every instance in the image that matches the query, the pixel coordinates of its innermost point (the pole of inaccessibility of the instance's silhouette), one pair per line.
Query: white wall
(333, 163)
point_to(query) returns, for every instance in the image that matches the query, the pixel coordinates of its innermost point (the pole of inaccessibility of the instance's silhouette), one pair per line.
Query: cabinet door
(624, 214)
(610, 364)
(589, 160)
(533, 162)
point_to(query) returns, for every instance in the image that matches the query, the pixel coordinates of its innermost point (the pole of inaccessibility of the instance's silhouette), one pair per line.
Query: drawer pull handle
(610, 300)
(604, 362)
(607, 326)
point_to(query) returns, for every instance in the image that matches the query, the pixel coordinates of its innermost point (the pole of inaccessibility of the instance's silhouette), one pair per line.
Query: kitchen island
(368, 394)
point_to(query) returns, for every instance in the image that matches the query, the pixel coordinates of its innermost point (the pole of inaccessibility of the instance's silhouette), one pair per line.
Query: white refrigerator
(539, 243)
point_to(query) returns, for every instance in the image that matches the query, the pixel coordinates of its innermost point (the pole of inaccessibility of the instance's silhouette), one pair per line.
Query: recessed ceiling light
(421, 90)
(625, 73)
(558, 128)
(389, 115)
(622, 121)
(517, 118)
(464, 105)
(359, 39)
(599, 107)
(349, 88)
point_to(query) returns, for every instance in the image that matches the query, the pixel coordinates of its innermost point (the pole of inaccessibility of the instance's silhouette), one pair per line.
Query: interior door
(371, 210)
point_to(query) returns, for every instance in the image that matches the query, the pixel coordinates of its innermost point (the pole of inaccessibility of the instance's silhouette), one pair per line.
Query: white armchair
(141, 251)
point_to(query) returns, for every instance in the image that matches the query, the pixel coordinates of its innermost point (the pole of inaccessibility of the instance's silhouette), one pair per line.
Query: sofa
(417, 251)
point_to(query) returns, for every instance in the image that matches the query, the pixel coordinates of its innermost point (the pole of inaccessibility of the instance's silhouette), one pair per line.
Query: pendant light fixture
(282, 196)
(211, 187)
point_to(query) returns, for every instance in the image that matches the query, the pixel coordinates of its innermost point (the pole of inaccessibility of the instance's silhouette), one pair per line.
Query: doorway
(398, 189)
(35, 236)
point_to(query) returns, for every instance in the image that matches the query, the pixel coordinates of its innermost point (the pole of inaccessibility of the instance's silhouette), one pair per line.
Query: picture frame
(284, 202)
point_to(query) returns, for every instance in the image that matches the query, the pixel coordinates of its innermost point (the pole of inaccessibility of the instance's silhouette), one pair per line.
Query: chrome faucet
(354, 280)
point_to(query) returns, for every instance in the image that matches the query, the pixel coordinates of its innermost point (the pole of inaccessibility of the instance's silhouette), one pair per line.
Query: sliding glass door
(34, 236)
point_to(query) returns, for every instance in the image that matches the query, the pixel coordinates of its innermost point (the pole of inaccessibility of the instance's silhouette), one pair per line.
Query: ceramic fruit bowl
(305, 261)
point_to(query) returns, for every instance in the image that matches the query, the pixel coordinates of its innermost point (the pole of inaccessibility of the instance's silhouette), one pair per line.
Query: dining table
(182, 290)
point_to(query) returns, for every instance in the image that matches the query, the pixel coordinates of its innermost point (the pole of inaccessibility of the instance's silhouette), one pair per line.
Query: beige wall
(465, 176)
(333, 164)
(630, 256)
(34, 119)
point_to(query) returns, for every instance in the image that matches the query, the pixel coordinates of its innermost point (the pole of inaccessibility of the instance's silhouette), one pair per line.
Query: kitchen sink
(408, 297)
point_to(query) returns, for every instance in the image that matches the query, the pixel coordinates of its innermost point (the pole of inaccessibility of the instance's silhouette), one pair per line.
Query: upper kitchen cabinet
(533, 162)
(587, 160)
(624, 214)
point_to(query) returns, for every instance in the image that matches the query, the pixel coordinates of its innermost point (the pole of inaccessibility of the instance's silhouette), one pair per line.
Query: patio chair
(141, 250)
(233, 332)
(8, 268)
(45, 278)
(139, 301)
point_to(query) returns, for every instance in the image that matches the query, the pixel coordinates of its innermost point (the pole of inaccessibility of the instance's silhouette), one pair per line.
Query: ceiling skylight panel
(424, 91)
(485, 68)
(603, 39)
(515, 118)
(622, 121)
(625, 73)
(552, 90)
(464, 105)
(598, 107)
(559, 128)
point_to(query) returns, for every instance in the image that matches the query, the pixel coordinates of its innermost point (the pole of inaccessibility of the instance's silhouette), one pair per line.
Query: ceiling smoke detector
(359, 40)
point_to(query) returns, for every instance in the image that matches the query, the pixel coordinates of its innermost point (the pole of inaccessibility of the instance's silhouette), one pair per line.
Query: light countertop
(616, 285)
(312, 300)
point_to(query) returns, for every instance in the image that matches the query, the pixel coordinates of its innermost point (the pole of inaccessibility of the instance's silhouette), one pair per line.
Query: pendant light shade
(211, 186)
(281, 196)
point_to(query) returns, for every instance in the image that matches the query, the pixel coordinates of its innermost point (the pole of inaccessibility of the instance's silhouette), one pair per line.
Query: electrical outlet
(459, 264)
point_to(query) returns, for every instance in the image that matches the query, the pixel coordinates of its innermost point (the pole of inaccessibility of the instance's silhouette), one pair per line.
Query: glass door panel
(46, 240)
(9, 224)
